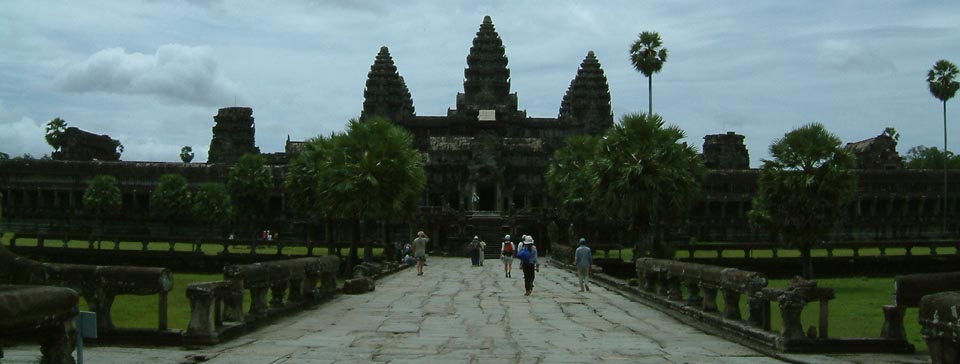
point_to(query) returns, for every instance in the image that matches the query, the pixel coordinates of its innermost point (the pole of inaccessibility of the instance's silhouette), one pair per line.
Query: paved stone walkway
(457, 313)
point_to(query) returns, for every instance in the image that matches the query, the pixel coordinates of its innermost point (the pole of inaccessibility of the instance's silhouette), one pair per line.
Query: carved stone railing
(217, 307)
(908, 290)
(665, 277)
(223, 245)
(45, 313)
(98, 285)
(692, 290)
(940, 326)
(722, 250)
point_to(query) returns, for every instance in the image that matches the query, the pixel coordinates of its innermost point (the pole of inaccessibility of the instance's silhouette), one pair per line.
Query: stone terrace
(457, 313)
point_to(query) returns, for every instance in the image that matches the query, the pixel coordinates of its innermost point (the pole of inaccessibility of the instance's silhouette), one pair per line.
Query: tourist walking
(472, 249)
(529, 263)
(506, 255)
(483, 246)
(420, 250)
(583, 259)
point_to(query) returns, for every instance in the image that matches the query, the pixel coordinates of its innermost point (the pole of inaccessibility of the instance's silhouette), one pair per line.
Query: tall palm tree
(371, 172)
(943, 87)
(643, 172)
(801, 192)
(648, 55)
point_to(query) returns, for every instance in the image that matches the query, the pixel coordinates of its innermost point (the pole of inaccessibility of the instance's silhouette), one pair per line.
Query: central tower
(486, 84)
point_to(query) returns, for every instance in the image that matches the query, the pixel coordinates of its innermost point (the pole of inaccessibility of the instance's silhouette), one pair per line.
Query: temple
(485, 161)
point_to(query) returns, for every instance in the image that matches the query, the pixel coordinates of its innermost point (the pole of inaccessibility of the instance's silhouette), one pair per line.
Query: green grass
(142, 311)
(855, 312)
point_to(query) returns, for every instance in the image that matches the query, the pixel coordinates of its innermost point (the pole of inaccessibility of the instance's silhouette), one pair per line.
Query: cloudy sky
(153, 73)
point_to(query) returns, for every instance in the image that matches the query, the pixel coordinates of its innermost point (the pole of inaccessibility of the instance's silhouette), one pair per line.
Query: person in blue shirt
(527, 252)
(583, 259)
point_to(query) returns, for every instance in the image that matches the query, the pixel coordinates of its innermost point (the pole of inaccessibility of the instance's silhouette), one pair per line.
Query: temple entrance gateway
(487, 198)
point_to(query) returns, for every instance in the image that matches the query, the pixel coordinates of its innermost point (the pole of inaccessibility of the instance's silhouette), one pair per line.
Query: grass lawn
(141, 311)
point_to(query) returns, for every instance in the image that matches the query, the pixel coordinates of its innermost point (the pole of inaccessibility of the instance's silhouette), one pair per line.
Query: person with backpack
(527, 253)
(583, 259)
(506, 255)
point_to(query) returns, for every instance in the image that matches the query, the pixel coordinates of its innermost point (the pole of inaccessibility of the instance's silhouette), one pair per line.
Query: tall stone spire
(386, 93)
(487, 78)
(587, 101)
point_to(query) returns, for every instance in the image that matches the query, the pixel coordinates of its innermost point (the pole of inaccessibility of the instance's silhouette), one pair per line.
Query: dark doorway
(488, 198)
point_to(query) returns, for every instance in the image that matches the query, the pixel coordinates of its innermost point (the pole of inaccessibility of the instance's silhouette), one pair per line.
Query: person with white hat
(527, 253)
(507, 251)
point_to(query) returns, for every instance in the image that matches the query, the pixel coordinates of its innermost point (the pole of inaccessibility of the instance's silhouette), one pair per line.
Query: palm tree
(371, 172)
(643, 172)
(186, 154)
(648, 55)
(54, 136)
(801, 192)
(943, 87)
(568, 180)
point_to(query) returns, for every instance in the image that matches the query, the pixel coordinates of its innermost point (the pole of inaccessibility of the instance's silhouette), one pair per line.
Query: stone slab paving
(457, 313)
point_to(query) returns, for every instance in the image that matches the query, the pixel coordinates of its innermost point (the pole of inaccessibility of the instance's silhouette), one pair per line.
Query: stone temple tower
(725, 151)
(386, 93)
(233, 135)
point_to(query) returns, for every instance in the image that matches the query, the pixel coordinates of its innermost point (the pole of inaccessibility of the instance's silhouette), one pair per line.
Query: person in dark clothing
(529, 263)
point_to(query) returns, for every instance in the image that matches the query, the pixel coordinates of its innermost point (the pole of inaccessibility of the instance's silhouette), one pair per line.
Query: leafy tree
(55, 129)
(802, 190)
(4, 156)
(186, 154)
(892, 133)
(371, 172)
(170, 200)
(212, 206)
(922, 157)
(118, 148)
(568, 180)
(102, 198)
(648, 56)
(250, 183)
(642, 172)
(943, 86)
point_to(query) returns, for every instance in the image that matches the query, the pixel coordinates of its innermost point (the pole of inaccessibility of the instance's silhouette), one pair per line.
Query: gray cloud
(21, 135)
(177, 73)
(846, 56)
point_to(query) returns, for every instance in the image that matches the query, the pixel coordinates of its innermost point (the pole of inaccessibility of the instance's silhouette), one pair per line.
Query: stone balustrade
(46, 313)
(217, 307)
(732, 249)
(908, 291)
(98, 285)
(665, 277)
(940, 326)
(694, 288)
